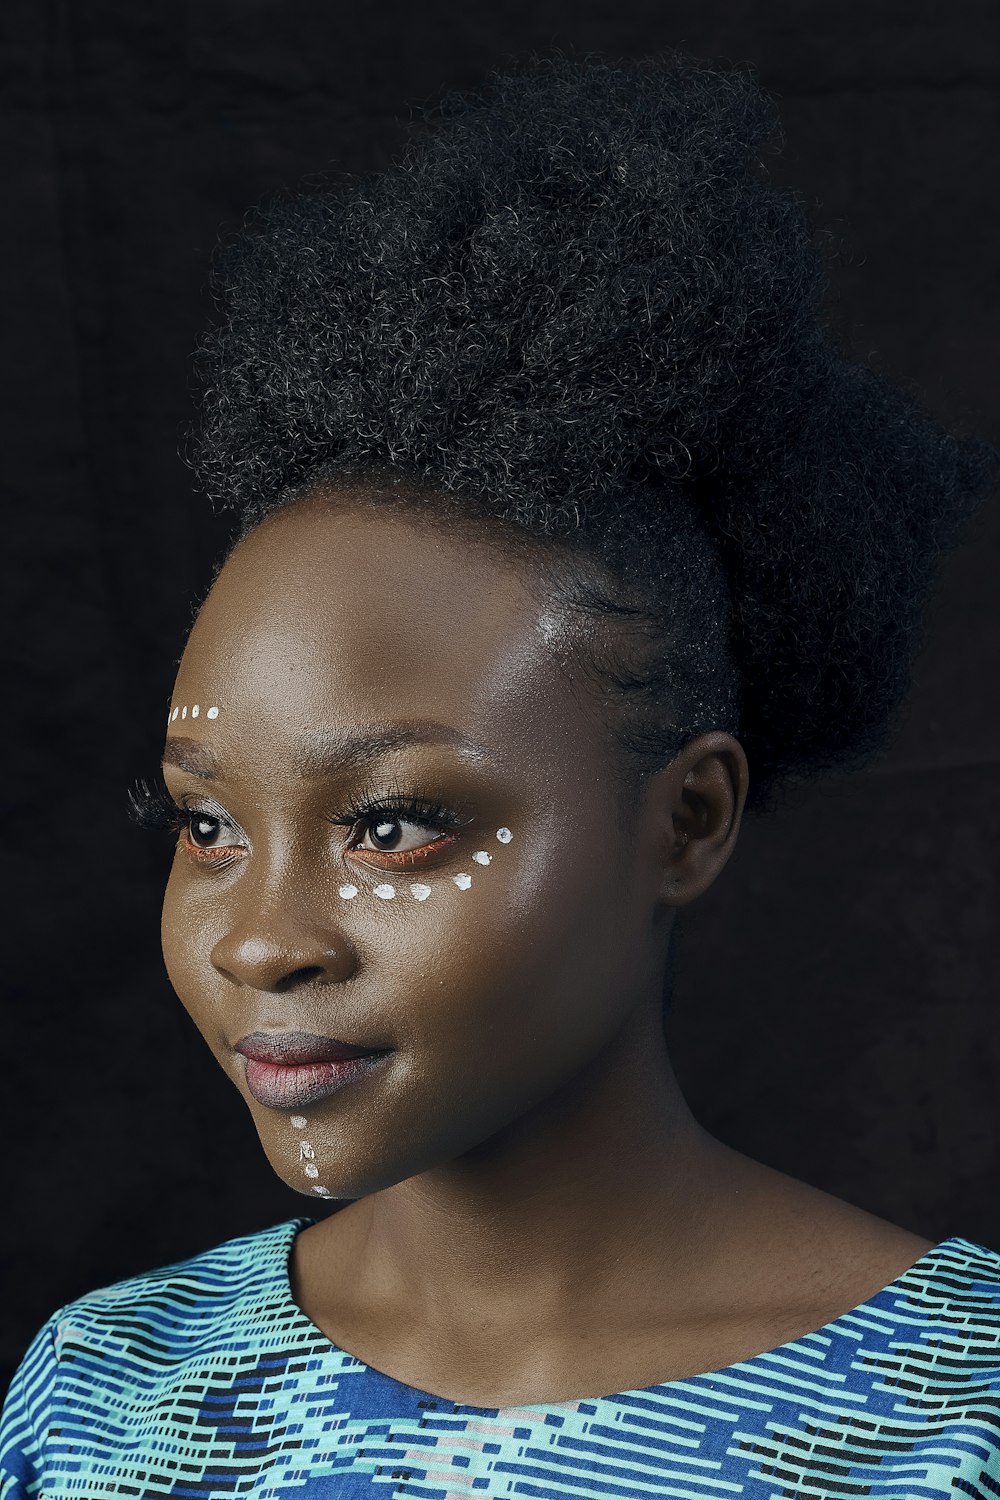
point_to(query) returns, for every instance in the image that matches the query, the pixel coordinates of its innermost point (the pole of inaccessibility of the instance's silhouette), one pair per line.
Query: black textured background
(836, 1014)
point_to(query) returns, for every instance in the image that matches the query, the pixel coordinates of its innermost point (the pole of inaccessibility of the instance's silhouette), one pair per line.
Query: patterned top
(205, 1379)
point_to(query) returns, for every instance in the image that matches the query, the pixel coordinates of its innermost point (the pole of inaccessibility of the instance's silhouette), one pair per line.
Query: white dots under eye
(298, 1122)
(385, 892)
(481, 857)
(462, 881)
(195, 711)
(348, 892)
(504, 835)
(213, 713)
(419, 891)
(175, 713)
(184, 712)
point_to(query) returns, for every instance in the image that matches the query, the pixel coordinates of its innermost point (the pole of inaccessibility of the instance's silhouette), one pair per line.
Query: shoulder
(151, 1319)
(934, 1332)
(160, 1309)
(957, 1283)
(129, 1336)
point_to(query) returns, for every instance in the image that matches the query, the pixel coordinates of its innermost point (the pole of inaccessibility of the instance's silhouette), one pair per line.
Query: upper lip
(295, 1049)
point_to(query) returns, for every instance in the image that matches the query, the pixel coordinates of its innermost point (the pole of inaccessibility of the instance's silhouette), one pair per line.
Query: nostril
(304, 975)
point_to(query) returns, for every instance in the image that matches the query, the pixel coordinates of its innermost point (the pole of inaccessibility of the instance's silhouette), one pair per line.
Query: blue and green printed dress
(205, 1379)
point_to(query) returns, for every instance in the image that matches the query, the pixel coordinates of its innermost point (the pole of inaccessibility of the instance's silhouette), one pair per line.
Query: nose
(274, 950)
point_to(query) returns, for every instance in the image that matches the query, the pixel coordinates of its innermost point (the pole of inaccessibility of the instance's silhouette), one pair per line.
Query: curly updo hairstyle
(576, 306)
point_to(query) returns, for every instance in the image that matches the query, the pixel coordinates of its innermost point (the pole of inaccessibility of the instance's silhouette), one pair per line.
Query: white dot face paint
(211, 713)
(307, 1154)
(419, 890)
(322, 1192)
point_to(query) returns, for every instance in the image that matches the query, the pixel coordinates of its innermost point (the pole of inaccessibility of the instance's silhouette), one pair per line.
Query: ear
(697, 803)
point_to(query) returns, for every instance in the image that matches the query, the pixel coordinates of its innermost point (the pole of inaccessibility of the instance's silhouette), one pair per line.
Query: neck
(607, 1190)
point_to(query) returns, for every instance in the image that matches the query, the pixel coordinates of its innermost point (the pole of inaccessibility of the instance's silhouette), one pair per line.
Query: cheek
(534, 952)
(185, 937)
(493, 1008)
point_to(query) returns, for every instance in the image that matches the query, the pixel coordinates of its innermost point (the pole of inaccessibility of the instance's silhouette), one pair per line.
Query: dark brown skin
(538, 1215)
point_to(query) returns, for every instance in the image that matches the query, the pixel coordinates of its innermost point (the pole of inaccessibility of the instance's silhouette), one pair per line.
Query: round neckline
(901, 1283)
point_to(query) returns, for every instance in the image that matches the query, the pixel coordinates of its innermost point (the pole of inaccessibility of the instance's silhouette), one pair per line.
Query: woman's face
(489, 940)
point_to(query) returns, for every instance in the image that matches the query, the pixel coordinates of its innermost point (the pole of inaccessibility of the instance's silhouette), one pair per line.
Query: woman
(567, 537)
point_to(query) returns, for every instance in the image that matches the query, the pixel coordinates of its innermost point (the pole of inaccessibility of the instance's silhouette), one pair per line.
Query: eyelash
(154, 808)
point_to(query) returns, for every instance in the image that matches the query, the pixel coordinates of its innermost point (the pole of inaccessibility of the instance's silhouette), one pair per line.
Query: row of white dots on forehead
(418, 890)
(195, 710)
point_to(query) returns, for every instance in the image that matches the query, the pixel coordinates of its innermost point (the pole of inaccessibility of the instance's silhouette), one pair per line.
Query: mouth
(295, 1049)
(290, 1069)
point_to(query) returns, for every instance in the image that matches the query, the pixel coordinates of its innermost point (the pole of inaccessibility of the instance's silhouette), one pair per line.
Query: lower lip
(282, 1087)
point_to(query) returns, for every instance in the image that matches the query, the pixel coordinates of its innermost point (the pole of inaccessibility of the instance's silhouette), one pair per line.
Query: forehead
(331, 613)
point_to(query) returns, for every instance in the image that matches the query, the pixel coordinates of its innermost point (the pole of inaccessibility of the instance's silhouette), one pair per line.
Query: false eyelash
(153, 807)
(399, 803)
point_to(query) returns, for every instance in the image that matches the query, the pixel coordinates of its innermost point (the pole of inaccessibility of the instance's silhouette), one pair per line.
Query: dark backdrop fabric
(836, 1010)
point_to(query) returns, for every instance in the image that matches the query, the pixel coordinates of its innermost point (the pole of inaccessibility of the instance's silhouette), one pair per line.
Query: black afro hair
(576, 305)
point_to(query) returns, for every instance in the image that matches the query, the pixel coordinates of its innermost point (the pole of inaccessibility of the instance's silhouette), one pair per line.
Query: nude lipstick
(289, 1069)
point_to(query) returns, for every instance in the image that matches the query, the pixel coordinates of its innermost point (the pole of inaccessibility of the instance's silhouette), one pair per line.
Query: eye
(389, 833)
(207, 836)
(202, 829)
(400, 830)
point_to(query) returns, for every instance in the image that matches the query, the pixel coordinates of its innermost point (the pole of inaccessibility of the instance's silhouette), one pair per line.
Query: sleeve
(26, 1418)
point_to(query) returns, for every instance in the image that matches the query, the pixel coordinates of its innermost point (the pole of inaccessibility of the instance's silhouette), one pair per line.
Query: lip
(293, 1049)
(287, 1070)
(293, 1088)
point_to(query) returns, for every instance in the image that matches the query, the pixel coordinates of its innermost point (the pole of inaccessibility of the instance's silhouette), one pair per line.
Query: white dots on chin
(213, 713)
(419, 891)
(385, 892)
(504, 835)
(462, 881)
(348, 892)
(322, 1192)
(195, 711)
(174, 714)
(184, 712)
(481, 857)
(307, 1152)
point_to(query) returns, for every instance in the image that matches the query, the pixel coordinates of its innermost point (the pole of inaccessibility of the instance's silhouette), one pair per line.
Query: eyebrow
(322, 751)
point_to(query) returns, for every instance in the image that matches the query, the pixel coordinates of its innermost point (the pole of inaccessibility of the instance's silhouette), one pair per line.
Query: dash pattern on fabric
(204, 1379)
